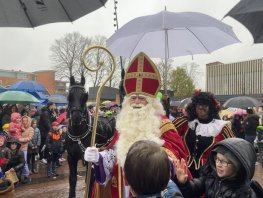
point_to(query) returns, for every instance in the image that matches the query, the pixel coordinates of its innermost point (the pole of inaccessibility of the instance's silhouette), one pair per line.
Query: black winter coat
(17, 160)
(250, 124)
(232, 187)
(54, 142)
(46, 118)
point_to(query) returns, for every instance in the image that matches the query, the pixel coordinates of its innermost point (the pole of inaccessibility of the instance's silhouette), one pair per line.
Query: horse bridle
(83, 111)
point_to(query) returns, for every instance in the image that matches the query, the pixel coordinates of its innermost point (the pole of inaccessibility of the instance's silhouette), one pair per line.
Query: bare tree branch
(66, 53)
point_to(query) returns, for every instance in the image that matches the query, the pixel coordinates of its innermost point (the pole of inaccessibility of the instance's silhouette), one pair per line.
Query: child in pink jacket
(15, 127)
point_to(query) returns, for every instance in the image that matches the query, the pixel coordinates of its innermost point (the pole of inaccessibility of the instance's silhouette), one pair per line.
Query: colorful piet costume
(201, 135)
(142, 79)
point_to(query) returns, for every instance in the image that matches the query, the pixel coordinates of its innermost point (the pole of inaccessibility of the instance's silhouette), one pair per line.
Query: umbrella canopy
(232, 111)
(250, 14)
(175, 103)
(40, 96)
(29, 86)
(111, 104)
(169, 34)
(242, 102)
(2, 89)
(17, 97)
(225, 112)
(33, 13)
(106, 102)
(58, 99)
(185, 102)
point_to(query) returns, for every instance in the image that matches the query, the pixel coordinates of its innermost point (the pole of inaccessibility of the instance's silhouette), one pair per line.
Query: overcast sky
(27, 49)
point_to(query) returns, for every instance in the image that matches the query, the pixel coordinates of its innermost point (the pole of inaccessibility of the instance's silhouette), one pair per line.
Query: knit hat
(229, 155)
(55, 123)
(5, 126)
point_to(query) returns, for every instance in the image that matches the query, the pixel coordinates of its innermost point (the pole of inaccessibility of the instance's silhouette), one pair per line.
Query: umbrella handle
(96, 116)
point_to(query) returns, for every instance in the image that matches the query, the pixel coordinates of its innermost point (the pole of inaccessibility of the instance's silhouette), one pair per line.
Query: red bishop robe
(173, 145)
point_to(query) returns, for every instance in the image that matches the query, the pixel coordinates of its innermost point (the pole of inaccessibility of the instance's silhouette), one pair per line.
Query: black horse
(80, 130)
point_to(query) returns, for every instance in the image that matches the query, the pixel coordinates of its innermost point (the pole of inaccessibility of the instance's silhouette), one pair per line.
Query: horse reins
(78, 138)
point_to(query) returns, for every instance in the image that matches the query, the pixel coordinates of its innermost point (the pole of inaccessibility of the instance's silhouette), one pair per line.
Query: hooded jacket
(27, 134)
(17, 160)
(250, 124)
(237, 186)
(14, 127)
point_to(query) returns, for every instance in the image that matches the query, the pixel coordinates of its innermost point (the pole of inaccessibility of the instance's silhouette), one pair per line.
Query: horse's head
(77, 99)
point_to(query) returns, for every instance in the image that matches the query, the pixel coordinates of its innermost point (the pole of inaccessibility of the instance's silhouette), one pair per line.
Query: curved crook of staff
(96, 116)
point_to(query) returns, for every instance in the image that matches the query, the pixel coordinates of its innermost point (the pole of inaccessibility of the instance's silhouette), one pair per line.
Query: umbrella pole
(165, 61)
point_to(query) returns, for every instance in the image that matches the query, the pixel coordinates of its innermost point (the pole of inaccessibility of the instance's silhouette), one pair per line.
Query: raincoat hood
(13, 140)
(242, 150)
(15, 116)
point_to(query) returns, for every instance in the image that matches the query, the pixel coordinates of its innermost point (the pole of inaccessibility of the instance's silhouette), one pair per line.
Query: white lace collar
(212, 128)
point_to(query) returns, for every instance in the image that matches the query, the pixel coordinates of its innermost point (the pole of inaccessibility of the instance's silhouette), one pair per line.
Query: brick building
(44, 77)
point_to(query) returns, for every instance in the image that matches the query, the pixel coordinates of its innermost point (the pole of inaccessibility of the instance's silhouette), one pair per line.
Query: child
(54, 148)
(147, 171)
(33, 147)
(15, 126)
(227, 174)
(63, 132)
(5, 154)
(25, 138)
(17, 161)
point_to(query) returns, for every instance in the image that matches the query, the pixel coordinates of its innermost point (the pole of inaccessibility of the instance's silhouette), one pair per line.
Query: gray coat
(36, 140)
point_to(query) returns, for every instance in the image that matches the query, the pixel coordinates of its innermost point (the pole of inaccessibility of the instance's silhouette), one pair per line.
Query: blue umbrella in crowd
(40, 96)
(28, 86)
(2, 89)
(59, 100)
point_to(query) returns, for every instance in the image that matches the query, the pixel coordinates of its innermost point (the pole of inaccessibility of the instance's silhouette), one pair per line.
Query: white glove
(91, 154)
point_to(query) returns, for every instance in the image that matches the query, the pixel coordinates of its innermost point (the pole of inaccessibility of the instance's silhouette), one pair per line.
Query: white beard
(134, 124)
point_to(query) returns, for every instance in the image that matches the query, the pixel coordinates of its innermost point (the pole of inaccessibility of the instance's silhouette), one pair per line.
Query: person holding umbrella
(201, 129)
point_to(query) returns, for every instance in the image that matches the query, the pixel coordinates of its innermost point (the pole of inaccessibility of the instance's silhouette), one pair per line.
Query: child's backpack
(256, 188)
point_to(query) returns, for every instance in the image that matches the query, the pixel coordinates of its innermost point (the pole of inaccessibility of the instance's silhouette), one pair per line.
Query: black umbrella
(250, 14)
(33, 13)
(242, 102)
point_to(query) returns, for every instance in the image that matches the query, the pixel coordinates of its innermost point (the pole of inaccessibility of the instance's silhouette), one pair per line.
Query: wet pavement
(43, 187)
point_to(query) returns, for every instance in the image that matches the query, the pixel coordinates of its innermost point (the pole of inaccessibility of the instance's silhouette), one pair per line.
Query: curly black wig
(206, 98)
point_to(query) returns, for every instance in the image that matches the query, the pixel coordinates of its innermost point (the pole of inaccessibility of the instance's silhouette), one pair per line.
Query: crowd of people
(29, 134)
(151, 154)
